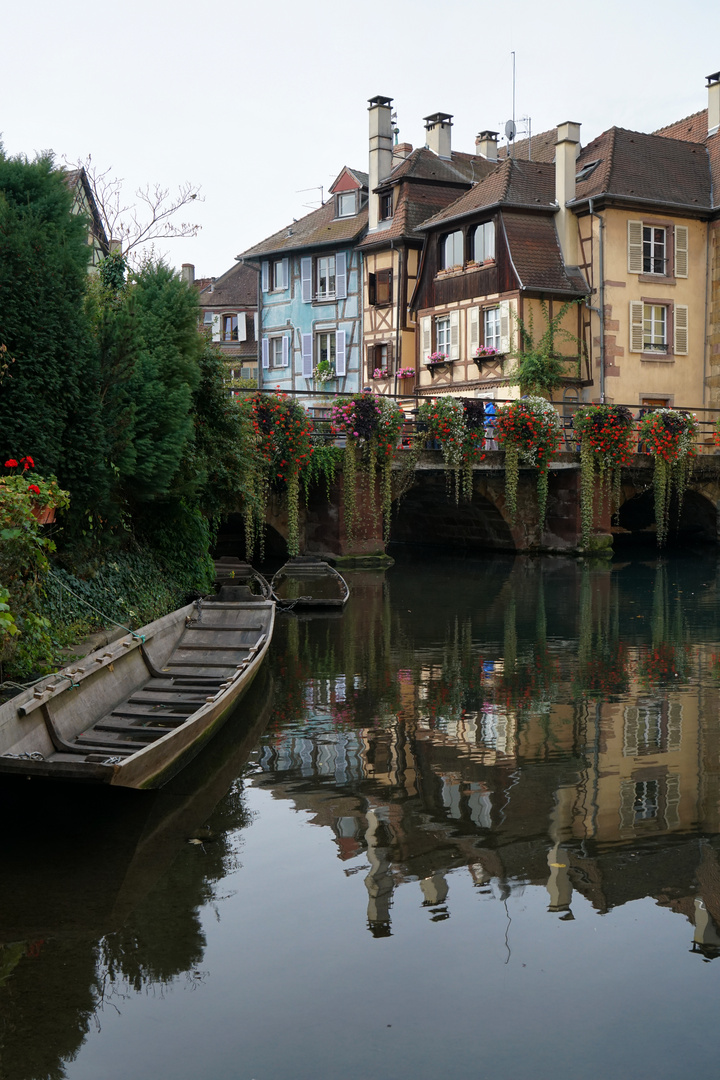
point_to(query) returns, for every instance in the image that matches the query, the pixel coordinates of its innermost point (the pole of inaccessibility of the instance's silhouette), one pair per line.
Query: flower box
(438, 365)
(44, 515)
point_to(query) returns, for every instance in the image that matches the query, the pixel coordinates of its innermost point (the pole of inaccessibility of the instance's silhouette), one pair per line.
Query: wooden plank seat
(126, 726)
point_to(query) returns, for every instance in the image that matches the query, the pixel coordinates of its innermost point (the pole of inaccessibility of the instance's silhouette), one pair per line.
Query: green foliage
(606, 438)
(321, 468)
(540, 369)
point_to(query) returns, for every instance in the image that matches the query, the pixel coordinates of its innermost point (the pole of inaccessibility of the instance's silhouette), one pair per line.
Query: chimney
(188, 273)
(713, 89)
(437, 136)
(567, 149)
(401, 151)
(486, 145)
(381, 152)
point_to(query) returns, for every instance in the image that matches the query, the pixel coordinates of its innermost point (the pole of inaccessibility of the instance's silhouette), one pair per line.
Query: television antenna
(312, 205)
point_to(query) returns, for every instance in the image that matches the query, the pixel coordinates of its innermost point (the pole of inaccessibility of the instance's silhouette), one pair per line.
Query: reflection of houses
(229, 313)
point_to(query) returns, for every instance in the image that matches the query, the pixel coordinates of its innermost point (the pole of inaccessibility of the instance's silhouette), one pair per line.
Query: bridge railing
(704, 442)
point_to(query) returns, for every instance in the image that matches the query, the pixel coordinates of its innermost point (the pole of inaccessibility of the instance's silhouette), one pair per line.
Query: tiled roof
(653, 168)
(237, 288)
(535, 252)
(541, 148)
(316, 229)
(692, 128)
(423, 164)
(416, 202)
(514, 182)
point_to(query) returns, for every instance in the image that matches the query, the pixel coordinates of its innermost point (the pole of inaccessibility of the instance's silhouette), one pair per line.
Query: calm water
(471, 827)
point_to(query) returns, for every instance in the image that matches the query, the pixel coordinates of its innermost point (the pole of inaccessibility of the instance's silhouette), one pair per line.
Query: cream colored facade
(389, 328)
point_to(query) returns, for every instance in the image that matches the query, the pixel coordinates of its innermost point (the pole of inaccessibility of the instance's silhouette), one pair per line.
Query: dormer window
(346, 204)
(484, 242)
(586, 170)
(451, 250)
(386, 206)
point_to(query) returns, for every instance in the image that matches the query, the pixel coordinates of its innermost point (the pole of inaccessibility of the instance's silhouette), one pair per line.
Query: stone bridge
(428, 514)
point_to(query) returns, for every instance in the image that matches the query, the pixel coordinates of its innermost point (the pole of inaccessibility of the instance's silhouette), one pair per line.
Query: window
(484, 242)
(653, 250)
(208, 320)
(452, 250)
(645, 804)
(346, 204)
(278, 275)
(491, 328)
(380, 288)
(379, 358)
(386, 206)
(323, 277)
(276, 351)
(229, 328)
(654, 328)
(325, 348)
(442, 335)
(326, 345)
(658, 250)
(658, 329)
(275, 276)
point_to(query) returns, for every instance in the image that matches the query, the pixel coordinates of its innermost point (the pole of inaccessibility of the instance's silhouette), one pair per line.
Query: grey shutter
(372, 291)
(265, 275)
(473, 330)
(242, 326)
(216, 327)
(285, 351)
(454, 335)
(426, 329)
(306, 280)
(504, 306)
(265, 353)
(681, 329)
(340, 275)
(637, 326)
(340, 352)
(285, 273)
(307, 356)
(681, 250)
(635, 247)
(255, 321)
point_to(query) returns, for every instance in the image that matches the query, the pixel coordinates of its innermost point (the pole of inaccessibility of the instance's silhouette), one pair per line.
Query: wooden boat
(229, 570)
(133, 713)
(308, 582)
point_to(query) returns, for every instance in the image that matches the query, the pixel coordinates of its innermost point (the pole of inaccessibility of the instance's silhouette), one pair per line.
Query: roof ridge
(682, 120)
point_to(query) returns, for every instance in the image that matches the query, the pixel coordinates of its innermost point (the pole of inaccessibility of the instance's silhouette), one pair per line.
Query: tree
(131, 226)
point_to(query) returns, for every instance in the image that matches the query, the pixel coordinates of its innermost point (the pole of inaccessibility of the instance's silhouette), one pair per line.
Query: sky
(262, 104)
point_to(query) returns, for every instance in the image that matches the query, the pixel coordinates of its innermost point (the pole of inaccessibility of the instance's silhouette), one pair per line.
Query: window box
(438, 363)
(380, 374)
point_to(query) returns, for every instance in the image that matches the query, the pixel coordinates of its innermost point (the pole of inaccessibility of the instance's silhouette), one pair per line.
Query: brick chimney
(188, 273)
(437, 137)
(567, 149)
(713, 89)
(401, 151)
(381, 152)
(486, 145)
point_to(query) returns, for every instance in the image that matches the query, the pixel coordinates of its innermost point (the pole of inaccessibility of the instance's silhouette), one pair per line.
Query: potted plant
(46, 495)
(486, 352)
(606, 438)
(324, 372)
(381, 373)
(529, 431)
(437, 360)
(669, 436)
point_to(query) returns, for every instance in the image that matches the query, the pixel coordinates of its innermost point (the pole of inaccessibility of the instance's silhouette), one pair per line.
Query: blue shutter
(340, 352)
(265, 274)
(340, 276)
(306, 280)
(265, 353)
(307, 356)
(285, 351)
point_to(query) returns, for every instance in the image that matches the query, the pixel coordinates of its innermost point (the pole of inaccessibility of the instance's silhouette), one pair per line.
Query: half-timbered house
(229, 306)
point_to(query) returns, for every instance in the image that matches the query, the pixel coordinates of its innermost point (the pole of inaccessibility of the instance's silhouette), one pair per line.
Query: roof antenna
(510, 127)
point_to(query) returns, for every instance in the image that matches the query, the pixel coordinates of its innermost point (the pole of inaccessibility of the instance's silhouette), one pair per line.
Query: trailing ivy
(606, 445)
(458, 425)
(529, 432)
(668, 435)
(320, 468)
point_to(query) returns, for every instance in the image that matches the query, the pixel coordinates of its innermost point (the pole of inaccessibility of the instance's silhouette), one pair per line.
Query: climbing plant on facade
(529, 432)
(458, 425)
(669, 436)
(606, 444)
(371, 425)
(540, 369)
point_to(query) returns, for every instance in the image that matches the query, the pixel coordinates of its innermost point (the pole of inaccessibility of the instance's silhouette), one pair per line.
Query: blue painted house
(310, 294)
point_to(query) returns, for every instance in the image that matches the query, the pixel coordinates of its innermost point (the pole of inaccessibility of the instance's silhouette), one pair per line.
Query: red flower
(27, 463)
(34, 488)
(11, 464)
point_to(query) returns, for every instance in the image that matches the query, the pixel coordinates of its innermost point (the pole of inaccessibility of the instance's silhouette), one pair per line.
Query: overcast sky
(256, 102)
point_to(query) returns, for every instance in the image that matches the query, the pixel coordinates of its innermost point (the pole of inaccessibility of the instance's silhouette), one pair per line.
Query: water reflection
(534, 721)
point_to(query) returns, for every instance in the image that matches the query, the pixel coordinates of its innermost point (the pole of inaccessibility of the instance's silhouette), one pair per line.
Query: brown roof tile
(416, 202)
(423, 164)
(541, 148)
(514, 182)
(236, 288)
(692, 128)
(535, 251)
(316, 229)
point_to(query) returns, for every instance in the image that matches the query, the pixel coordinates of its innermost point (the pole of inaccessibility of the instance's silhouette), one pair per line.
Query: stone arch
(426, 514)
(698, 518)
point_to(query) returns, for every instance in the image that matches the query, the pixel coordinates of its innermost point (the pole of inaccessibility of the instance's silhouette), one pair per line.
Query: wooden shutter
(637, 329)
(307, 355)
(454, 335)
(681, 251)
(390, 368)
(681, 329)
(371, 365)
(426, 331)
(285, 273)
(372, 289)
(340, 353)
(242, 326)
(635, 247)
(340, 275)
(265, 275)
(265, 353)
(504, 306)
(285, 351)
(306, 280)
(473, 330)
(255, 324)
(216, 328)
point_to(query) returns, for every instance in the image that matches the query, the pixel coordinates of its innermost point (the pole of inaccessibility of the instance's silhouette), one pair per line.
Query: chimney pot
(187, 273)
(486, 145)
(437, 138)
(401, 151)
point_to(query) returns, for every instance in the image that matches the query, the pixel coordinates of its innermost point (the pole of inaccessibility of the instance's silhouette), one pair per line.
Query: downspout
(600, 311)
(397, 318)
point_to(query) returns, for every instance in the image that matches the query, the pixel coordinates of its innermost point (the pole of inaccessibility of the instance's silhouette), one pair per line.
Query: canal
(469, 827)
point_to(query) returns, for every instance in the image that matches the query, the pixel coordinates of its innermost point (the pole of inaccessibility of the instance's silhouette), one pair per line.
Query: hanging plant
(458, 425)
(283, 430)
(606, 445)
(371, 425)
(529, 432)
(669, 435)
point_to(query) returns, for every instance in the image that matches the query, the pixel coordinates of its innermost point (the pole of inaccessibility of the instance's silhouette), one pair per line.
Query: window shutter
(681, 251)
(371, 365)
(265, 274)
(306, 280)
(636, 326)
(340, 352)
(216, 327)
(307, 355)
(681, 329)
(255, 326)
(285, 351)
(242, 326)
(635, 247)
(504, 306)
(340, 275)
(473, 330)
(372, 289)
(285, 273)
(426, 325)
(265, 353)
(390, 368)
(454, 335)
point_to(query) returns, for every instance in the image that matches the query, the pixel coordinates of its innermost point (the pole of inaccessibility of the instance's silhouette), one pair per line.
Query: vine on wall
(606, 444)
